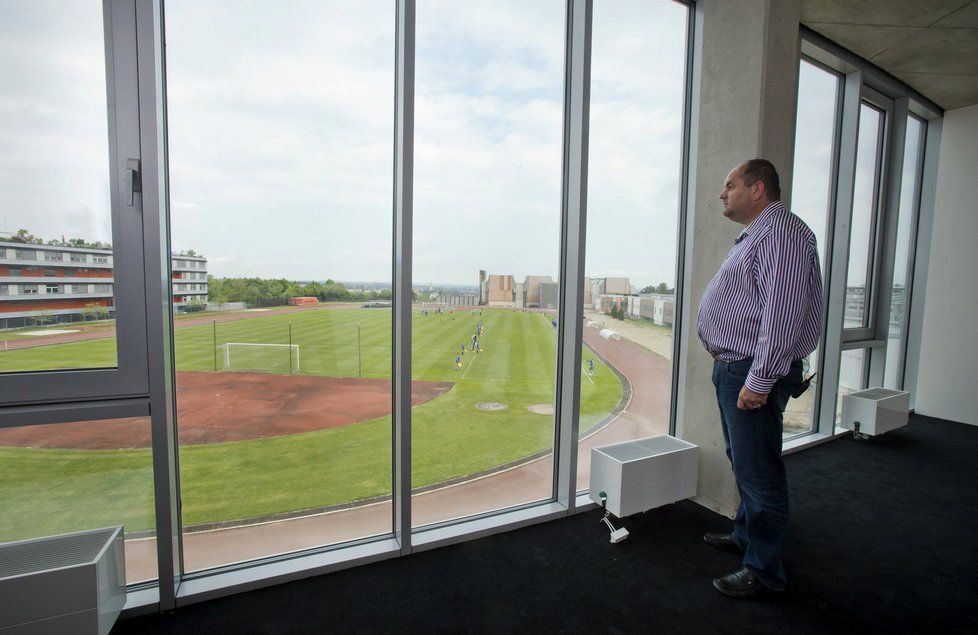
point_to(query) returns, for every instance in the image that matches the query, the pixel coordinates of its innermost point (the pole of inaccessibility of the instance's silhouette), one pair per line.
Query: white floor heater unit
(875, 411)
(72, 583)
(636, 476)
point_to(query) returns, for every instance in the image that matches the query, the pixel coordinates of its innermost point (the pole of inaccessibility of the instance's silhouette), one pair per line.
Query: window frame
(879, 212)
(128, 378)
(914, 230)
(863, 82)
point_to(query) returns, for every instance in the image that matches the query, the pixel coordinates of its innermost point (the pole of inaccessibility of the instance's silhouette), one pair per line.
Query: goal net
(270, 358)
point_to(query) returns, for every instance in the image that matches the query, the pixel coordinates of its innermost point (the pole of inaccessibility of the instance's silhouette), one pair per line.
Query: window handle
(133, 179)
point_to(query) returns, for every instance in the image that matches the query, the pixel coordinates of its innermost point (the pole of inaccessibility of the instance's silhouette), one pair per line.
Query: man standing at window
(759, 317)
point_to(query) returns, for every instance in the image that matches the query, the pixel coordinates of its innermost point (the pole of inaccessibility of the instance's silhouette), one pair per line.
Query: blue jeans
(753, 440)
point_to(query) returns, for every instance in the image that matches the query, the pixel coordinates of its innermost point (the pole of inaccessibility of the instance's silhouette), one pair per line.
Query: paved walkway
(646, 414)
(657, 339)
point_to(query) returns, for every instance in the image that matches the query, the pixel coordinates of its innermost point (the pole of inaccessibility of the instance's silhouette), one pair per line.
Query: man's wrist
(759, 384)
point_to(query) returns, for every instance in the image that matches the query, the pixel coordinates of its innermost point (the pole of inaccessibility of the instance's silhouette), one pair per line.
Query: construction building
(501, 291)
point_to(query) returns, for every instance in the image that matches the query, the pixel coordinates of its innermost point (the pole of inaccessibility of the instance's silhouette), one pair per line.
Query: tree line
(253, 290)
(661, 288)
(24, 236)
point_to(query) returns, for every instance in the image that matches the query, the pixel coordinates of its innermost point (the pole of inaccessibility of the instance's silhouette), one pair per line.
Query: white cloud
(281, 125)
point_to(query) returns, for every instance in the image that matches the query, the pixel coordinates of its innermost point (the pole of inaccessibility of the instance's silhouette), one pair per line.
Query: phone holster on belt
(802, 387)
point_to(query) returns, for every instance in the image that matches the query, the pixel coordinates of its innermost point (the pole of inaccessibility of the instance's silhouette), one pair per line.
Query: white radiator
(72, 583)
(876, 410)
(642, 474)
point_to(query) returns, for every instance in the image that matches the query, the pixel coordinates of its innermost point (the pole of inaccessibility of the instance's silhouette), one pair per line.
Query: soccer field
(244, 479)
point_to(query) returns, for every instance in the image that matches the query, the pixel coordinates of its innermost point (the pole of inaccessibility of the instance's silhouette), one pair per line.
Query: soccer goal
(262, 357)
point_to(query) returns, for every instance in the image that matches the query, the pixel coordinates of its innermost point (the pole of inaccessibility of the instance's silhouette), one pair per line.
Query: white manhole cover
(491, 406)
(541, 408)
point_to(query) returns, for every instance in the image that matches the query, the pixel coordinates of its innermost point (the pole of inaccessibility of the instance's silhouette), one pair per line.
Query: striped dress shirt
(765, 302)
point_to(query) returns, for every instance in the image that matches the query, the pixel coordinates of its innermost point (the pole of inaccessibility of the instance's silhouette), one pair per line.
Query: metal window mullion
(403, 227)
(687, 159)
(837, 268)
(124, 142)
(159, 309)
(570, 331)
(889, 221)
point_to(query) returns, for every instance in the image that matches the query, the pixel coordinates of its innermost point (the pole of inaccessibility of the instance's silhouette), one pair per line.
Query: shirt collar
(764, 218)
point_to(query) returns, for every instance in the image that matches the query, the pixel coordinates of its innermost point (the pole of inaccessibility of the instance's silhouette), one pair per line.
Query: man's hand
(750, 400)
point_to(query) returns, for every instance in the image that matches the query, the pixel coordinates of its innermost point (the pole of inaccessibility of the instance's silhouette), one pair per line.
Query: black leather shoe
(722, 541)
(742, 583)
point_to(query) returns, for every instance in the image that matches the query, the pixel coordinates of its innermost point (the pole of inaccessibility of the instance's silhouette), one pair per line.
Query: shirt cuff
(759, 384)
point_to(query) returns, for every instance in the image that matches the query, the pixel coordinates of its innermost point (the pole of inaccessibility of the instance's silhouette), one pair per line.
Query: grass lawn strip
(227, 481)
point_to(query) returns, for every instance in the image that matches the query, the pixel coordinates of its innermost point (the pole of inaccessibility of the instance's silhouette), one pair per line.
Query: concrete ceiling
(932, 45)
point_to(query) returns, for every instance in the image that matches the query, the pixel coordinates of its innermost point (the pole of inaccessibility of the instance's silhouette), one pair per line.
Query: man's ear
(757, 190)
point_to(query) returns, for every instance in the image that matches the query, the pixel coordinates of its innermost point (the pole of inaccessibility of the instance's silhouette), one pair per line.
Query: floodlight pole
(290, 347)
(359, 354)
(215, 344)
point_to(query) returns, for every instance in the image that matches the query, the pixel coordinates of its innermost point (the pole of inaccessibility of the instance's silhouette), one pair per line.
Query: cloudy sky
(281, 125)
(53, 140)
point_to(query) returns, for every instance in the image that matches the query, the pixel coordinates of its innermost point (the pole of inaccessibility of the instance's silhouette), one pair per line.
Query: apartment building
(189, 280)
(56, 284)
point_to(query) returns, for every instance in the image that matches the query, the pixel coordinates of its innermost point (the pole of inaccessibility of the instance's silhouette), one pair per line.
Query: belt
(724, 361)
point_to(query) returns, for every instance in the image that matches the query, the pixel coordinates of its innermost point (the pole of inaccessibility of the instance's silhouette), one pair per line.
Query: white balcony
(52, 264)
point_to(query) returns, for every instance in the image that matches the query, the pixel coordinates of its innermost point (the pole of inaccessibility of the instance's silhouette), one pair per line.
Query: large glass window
(278, 177)
(280, 147)
(54, 183)
(862, 237)
(811, 194)
(903, 256)
(635, 149)
(489, 100)
(66, 477)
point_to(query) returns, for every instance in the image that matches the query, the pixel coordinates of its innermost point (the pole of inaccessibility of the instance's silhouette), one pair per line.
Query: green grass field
(226, 481)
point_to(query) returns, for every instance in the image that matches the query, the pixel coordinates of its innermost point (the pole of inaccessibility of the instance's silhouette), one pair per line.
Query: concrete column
(745, 77)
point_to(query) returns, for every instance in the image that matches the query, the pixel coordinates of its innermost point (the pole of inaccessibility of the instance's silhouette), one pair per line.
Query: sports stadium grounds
(256, 443)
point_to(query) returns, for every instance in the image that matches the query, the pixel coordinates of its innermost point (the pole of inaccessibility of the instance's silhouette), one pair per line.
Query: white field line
(588, 375)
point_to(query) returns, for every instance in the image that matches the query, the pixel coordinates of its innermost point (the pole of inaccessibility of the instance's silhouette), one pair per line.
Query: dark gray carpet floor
(883, 539)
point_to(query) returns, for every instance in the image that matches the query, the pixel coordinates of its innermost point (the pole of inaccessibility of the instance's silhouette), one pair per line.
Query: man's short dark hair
(763, 170)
